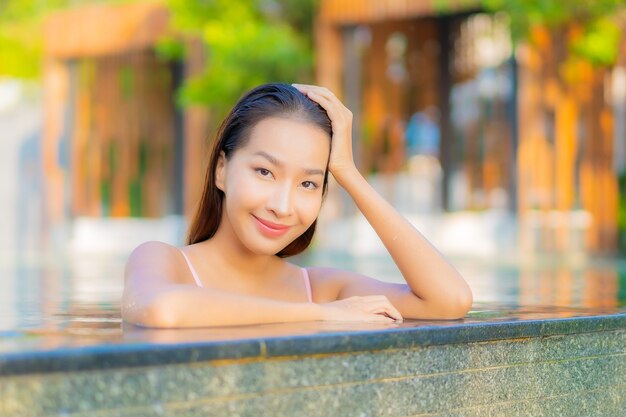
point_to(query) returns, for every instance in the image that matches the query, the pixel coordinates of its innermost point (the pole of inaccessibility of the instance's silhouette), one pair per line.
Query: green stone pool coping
(25, 359)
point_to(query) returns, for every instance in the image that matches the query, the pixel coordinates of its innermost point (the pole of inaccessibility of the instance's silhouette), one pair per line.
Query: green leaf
(248, 43)
(600, 43)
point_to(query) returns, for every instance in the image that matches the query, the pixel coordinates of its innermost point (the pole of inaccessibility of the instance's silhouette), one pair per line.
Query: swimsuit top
(305, 275)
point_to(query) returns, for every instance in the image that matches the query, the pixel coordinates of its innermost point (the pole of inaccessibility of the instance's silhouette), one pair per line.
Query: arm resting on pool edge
(155, 295)
(347, 284)
(178, 305)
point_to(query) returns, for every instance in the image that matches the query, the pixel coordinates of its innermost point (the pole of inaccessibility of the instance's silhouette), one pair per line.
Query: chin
(270, 248)
(267, 251)
(259, 247)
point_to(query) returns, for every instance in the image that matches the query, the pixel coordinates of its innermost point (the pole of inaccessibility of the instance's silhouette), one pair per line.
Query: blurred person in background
(422, 133)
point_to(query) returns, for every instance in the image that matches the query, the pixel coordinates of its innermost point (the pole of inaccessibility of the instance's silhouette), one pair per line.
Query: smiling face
(273, 185)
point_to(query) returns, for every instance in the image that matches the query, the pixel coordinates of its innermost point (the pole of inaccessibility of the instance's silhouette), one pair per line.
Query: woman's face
(273, 184)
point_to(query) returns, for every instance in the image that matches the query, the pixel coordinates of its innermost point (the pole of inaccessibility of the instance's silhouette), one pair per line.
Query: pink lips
(271, 229)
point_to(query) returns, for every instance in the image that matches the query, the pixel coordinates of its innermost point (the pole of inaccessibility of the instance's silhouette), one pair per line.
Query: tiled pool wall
(569, 374)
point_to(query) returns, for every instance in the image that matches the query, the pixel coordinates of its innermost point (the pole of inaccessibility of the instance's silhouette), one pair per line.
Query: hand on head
(341, 157)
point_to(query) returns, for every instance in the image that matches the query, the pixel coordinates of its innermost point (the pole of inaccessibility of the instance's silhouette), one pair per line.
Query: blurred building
(436, 88)
(409, 66)
(116, 144)
(505, 128)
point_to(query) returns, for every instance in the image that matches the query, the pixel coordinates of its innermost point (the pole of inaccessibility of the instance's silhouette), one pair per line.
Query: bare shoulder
(152, 253)
(153, 247)
(152, 268)
(154, 261)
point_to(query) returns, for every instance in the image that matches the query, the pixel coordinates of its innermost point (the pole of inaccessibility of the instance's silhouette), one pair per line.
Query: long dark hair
(267, 100)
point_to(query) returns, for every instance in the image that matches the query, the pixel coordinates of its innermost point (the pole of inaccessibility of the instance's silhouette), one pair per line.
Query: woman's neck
(233, 256)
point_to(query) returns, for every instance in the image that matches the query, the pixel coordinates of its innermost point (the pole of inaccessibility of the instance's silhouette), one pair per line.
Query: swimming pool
(546, 339)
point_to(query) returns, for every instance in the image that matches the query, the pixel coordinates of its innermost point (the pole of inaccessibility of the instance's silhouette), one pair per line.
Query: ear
(220, 171)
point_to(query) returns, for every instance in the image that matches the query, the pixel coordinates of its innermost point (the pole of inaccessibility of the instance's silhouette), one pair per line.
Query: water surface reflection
(67, 295)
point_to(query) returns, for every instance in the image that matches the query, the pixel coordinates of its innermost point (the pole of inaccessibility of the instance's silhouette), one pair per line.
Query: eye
(309, 185)
(263, 172)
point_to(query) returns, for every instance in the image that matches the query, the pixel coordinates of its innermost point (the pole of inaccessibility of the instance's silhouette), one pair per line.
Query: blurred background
(498, 127)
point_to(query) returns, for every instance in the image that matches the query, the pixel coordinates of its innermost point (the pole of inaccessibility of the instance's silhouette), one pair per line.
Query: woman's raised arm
(439, 291)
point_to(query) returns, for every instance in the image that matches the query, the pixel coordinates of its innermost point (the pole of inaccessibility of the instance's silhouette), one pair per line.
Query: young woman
(264, 187)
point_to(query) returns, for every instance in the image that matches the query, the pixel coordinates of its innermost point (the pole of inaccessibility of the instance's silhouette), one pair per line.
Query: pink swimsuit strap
(192, 269)
(307, 282)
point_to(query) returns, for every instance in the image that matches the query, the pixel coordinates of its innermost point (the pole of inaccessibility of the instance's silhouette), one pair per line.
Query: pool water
(85, 291)
(542, 340)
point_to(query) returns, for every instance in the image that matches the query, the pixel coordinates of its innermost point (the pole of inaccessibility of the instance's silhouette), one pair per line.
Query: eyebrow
(273, 160)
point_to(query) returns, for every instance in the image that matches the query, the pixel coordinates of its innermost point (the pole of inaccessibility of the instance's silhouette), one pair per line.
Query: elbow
(157, 313)
(454, 307)
(461, 305)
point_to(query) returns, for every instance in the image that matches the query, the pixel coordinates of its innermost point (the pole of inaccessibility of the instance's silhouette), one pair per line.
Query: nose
(280, 201)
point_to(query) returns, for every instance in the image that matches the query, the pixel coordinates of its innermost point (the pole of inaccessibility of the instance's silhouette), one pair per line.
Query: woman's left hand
(341, 158)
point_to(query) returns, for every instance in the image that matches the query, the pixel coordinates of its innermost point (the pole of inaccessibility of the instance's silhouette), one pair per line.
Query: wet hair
(262, 102)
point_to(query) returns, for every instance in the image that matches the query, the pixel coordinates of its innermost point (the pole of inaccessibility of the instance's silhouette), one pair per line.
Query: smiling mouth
(270, 229)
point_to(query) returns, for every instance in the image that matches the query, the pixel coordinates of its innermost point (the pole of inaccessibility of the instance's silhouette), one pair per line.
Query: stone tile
(22, 355)
(402, 338)
(604, 402)
(367, 400)
(361, 401)
(123, 356)
(581, 345)
(565, 376)
(583, 324)
(497, 371)
(425, 394)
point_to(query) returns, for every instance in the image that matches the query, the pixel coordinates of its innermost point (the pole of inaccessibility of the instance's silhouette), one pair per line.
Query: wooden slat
(98, 30)
(547, 159)
(367, 11)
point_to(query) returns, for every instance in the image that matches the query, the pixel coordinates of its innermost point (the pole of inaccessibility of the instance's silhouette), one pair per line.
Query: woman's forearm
(186, 306)
(425, 270)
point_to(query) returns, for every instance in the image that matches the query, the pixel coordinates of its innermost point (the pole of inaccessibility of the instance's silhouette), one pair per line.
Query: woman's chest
(292, 286)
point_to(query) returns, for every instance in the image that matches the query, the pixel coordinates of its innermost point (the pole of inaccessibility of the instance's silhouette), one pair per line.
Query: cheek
(309, 208)
(243, 190)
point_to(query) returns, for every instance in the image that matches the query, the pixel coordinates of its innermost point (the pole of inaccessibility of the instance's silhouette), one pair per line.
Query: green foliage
(599, 41)
(621, 213)
(450, 6)
(21, 37)
(19, 53)
(170, 48)
(21, 33)
(247, 42)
